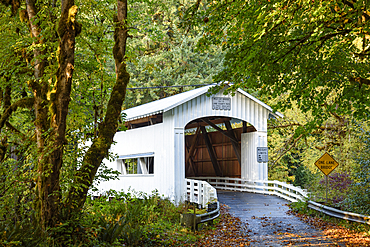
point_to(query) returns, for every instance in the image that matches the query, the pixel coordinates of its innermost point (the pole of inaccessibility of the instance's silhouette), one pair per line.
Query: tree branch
(107, 129)
(23, 103)
(287, 150)
(285, 125)
(360, 81)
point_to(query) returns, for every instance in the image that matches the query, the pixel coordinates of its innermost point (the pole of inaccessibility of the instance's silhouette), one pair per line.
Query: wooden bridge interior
(214, 152)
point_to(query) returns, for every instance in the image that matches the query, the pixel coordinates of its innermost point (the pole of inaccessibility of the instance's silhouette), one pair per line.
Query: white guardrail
(202, 193)
(281, 189)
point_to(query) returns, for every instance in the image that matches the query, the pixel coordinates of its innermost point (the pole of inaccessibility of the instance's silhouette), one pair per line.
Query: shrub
(359, 198)
(130, 219)
(339, 185)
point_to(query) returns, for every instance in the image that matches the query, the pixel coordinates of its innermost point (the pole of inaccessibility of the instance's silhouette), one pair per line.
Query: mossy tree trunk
(50, 102)
(101, 144)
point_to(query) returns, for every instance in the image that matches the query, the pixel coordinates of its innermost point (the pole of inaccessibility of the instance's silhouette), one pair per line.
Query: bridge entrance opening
(213, 147)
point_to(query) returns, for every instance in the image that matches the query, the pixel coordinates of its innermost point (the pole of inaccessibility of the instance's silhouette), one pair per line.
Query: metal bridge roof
(166, 104)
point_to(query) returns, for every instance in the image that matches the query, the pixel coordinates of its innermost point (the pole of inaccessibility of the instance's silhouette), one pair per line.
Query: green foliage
(315, 51)
(33, 180)
(133, 219)
(339, 188)
(300, 207)
(136, 219)
(166, 55)
(359, 198)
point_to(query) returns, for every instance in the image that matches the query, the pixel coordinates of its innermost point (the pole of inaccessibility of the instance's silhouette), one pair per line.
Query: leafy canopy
(317, 52)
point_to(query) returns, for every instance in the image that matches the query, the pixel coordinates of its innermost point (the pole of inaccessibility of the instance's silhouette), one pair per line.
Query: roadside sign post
(326, 189)
(326, 164)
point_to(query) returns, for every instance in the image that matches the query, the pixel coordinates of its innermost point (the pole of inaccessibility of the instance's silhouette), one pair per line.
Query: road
(267, 222)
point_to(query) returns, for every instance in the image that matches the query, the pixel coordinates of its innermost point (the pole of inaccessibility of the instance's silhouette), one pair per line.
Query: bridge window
(136, 164)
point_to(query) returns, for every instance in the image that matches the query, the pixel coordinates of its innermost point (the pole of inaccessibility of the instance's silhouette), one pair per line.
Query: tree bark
(107, 129)
(51, 109)
(40, 90)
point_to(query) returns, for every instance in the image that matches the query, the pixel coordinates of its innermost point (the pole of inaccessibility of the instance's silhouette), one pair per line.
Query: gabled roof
(166, 104)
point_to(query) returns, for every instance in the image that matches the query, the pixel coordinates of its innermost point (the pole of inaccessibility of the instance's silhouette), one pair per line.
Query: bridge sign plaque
(262, 154)
(221, 103)
(326, 164)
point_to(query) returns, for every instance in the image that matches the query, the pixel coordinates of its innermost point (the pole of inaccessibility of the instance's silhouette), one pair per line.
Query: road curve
(267, 221)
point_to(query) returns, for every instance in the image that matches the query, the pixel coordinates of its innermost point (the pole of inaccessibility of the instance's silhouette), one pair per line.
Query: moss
(62, 27)
(123, 75)
(13, 3)
(68, 21)
(23, 15)
(72, 12)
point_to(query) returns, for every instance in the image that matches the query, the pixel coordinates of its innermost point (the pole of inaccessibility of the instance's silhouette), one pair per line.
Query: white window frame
(142, 163)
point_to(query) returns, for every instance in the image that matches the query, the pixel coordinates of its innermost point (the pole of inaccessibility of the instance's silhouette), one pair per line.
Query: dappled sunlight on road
(268, 221)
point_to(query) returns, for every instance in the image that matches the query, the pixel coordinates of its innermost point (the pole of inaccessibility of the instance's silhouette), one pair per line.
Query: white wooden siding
(167, 142)
(242, 108)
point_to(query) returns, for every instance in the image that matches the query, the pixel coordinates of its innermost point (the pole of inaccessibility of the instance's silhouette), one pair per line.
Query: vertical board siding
(155, 139)
(167, 141)
(179, 172)
(242, 108)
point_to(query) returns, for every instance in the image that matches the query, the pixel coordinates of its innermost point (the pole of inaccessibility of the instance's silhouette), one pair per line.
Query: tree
(317, 52)
(58, 88)
(37, 71)
(169, 60)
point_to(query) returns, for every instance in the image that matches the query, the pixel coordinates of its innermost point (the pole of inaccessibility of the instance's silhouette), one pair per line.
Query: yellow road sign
(326, 164)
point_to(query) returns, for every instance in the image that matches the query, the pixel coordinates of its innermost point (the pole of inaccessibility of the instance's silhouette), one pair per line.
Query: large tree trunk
(40, 90)
(51, 101)
(107, 129)
(51, 109)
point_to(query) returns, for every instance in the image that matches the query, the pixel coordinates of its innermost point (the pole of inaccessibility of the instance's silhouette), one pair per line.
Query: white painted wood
(151, 139)
(200, 192)
(179, 156)
(166, 141)
(142, 165)
(250, 168)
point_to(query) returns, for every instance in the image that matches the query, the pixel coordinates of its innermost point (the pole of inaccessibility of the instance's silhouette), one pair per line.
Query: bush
(131, 219)
(359, 198)
(339, 186)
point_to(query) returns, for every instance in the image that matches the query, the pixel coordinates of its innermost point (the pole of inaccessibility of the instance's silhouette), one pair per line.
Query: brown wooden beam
(153, 119)
(199, 122)
(236, 145)
(251, 129)
(244, 127)
(191, 163)
(227, 134)
(211, 152)
(190, 151)
(216, 145)
(193, 145)
(219, 159)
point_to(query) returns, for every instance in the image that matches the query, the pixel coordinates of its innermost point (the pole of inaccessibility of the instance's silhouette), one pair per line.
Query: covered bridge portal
(189, 135)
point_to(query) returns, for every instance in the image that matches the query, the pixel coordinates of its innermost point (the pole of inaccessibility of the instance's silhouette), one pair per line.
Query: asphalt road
(267, 222)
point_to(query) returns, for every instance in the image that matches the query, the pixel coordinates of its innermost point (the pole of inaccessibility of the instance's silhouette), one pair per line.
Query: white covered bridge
(190, 135)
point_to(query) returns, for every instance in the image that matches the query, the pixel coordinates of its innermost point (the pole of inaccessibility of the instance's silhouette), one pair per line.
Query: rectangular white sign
(262, 154)
(221, 103)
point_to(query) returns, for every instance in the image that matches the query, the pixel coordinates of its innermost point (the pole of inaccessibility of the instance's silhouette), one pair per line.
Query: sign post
(326, 164)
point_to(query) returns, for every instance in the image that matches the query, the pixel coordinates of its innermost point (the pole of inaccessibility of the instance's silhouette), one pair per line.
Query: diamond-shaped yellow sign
(326, 164)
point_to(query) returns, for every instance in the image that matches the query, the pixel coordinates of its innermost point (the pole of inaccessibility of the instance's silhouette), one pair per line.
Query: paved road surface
(268, 224)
